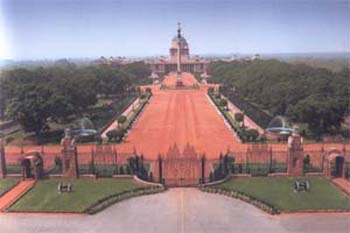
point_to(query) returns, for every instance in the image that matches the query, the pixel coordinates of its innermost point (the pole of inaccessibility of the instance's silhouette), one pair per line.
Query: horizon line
(163, 55)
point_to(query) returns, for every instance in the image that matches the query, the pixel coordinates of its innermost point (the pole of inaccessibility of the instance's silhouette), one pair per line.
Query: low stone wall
(314, 174)
(277, 174)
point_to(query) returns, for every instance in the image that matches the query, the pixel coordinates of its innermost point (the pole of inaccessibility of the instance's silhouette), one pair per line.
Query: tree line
(34, 96)
(318, 97)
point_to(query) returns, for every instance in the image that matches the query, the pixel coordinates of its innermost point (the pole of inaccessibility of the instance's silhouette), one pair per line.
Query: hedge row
(193, 87)
(244, 197)
(129, 122)
(112, 199)
(115, 113)
(136, 112)
(228, 118)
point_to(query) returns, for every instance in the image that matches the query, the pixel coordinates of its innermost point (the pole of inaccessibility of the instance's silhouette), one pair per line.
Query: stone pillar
(3, 170)
(345, 164)
(92, 161)
(178, 60)
(295, 154)
(160, 169)
(69, 156)
(203, 169)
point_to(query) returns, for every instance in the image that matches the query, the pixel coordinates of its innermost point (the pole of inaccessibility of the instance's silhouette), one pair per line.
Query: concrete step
(15, 193)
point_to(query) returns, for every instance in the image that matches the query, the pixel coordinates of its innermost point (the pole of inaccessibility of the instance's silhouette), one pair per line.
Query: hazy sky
(36, 29)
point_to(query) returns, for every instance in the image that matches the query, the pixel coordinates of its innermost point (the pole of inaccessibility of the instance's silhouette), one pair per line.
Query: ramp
(15, 193)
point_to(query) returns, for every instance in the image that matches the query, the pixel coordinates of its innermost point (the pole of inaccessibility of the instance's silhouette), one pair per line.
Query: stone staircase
(343, 184)
(15, 193)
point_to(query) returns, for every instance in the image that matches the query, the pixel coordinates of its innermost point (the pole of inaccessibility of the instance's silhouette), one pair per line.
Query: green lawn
(278, 192)
(6, 185)
(44, 197)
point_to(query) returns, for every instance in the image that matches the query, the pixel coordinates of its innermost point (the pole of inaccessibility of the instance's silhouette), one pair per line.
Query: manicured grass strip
(278, 192)
(44, 197)
(6, 185)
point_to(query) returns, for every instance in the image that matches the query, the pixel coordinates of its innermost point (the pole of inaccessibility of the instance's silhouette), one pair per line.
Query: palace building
(164, 65)
(169, 64)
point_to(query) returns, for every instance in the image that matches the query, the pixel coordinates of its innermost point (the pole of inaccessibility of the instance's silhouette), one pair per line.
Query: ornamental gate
(181, 169)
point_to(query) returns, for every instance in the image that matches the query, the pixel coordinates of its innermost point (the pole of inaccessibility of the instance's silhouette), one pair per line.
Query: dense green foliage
(334, 63)
(317, 97)
(254, 112)
(279, 193)
(38, 95)
(102, 116)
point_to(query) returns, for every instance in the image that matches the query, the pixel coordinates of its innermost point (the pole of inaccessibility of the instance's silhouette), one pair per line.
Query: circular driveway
(176, 211)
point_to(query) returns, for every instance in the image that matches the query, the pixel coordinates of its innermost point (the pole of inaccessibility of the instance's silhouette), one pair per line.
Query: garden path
(15, 193)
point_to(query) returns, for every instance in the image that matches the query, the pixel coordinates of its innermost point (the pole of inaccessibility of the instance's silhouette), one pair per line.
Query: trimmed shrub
(116, 134)
(58, 163)
(121, 119)
(223, 103)
(239, 117)
(252, 134)
(148, 90)
(121, 170)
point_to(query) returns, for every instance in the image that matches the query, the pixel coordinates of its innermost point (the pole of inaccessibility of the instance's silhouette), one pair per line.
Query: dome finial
(179, 29)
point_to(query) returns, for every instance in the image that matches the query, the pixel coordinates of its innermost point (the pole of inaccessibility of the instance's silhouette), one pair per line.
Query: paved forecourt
(180, 117)
(178, 210)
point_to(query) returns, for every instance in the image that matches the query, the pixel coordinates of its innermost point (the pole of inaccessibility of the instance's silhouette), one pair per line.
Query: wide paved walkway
(180, 117)
(176, 211)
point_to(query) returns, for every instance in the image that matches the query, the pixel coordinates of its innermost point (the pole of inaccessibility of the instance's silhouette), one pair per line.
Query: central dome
(176, 40)
(179, 45)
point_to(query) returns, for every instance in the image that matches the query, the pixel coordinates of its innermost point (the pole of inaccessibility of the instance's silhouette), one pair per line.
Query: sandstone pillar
(295, 154)
(160, 169)
(69, 156)
(3, 170)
